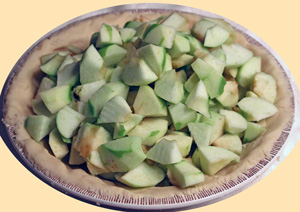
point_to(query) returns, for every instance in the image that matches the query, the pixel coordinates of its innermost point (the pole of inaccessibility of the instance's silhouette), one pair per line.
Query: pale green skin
(142, 176)
(108, 35)
(165, 152)
(67, 121)
(123, 154)
(38, 126)
(91, 66)
(186, 174)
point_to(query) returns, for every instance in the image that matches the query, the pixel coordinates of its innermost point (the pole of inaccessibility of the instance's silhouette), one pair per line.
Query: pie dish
(256, 159)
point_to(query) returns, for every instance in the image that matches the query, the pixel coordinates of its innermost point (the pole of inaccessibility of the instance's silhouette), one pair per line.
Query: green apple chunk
(198, 99)
(68, 60)
(165, 152)
(181, 45)
(176, 21)
(191, 82)
(230, 142)
(67, 121)
(115, 110)
(45, 58)
(85, 91)
(127, 34)
(132, 24)
(160, 35)
(235, 123)
(247, 71)
(252, 132)
(196, 158)
(112, 54)
(95, 162)
(183, 60)
(77, 57)
(195, 44)
(148, 104)
(217, 122)
(168, 63)
(140, 31)
(220, 54)
(230, 96)
(250, 94)
(74, 49)
(169, 87)
(213, 81)
(264, 86)
(116, 75)
(215, 36)
(137, 72)
(150, 130)
(45, 85)
(256, 109)
(39, 126)
(51, 67)
(231, 72)
(216, 63)
(155, 57)
(181, 76)
(75, 158)
(69, 75)
(200, 28)
(213, 159)
(104, 94)
(58, 146)
(91, 66)
(123, 128)
(201, 132)
(108, 35)
(57, 98)
(181, 115)
(123, 154)
(84, 144)
(236, 55)
(225, 25)
(39, 107)
(142, 176)
(186, 174)
(184, 142)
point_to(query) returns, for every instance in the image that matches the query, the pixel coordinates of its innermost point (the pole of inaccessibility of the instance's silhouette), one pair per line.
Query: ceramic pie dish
(258, 159)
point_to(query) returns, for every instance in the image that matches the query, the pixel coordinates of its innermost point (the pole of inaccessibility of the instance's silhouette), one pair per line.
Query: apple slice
(186, 174)
(217, 122)
(176, 21)
(67, 121)
(234, 122)
(200, 28)
(150, 130)
(252, 132)
(39, 126)
(216, 63)
(137, 72)
(108, 35)
(58, 146)
(84, 144)
(91, 66)
(160, 35)
(39, 107)
(230, 142)
(256, 109)
(85, 91)
(215, 36)
(213, 159)
(123, 128)
(148, 104)
(181, 115)
(94, 161)
(181, 45)
(169, 87)
(115, 110)
(264, 86)
(57, 98)
(247, 71)
(75, 158)
(123, 154)
(183, 60)
(132, 24)
(112, 54)
(104, 94)
(201, 132)
(127, 34)
(69, 75)
(236, 55)
(191, 82)
(184, 142)
(220, 54)
(142, 176)
(45, 85)
(165, 152)
(52, 65)
(230, 96)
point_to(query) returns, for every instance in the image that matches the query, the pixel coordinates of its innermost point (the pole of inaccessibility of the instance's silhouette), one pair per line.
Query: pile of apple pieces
(148, 104)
